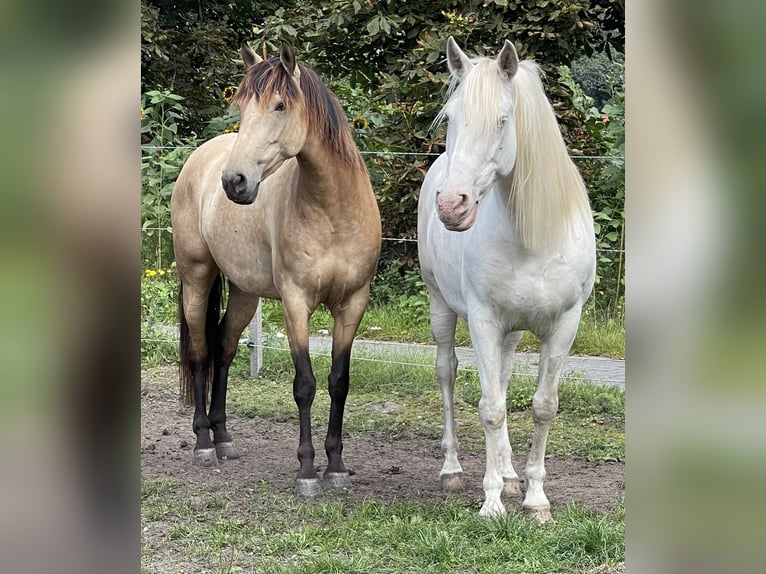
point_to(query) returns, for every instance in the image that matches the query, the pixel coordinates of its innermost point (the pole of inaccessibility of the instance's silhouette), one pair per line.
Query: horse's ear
(249, 57)
(287, 57)
(508, 60)
(457, 61)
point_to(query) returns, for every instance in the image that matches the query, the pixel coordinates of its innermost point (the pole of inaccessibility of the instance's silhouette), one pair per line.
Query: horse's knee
(304, 389)
(226, 356)
(492, 413)
(337, 387)
(446, 366)
(544, 407)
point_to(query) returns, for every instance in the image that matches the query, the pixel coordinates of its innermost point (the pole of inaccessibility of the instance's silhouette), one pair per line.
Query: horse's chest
(520, 290)
(327, 269)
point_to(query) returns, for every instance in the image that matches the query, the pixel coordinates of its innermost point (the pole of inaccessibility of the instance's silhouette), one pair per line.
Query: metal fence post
(254, 343)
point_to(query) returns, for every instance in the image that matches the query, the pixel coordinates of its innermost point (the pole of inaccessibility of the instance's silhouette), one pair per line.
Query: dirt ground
(382, 469)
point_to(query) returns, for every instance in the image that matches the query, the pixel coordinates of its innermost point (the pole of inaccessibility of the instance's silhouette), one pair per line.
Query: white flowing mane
(546, 192)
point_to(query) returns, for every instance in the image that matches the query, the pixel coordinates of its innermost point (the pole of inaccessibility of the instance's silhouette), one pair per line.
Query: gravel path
(596, 370)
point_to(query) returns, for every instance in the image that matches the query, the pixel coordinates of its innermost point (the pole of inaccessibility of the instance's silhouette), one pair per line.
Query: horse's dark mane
(325, 115)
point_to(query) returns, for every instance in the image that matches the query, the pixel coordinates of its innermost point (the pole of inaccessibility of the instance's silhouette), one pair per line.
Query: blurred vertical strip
(696, 310)
(69, 336)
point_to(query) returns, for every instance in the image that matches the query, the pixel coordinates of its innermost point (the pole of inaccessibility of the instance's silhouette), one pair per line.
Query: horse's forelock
(324, 114)
(263, 80)
(479, 92)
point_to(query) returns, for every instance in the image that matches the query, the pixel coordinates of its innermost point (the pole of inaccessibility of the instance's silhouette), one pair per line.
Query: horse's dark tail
(212, 317)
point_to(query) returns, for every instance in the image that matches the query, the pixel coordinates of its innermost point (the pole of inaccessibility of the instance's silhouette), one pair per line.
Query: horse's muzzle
(456, 211)
(237, 189)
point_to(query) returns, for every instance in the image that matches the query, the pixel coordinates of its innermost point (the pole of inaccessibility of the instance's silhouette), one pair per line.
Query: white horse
(505, 239)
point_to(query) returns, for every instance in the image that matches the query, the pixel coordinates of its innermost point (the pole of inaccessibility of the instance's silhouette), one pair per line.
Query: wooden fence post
(254, 343)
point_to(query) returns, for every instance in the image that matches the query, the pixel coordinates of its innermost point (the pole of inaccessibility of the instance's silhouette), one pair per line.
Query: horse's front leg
(487, 337)
(304, 388)
(511, 486)
(346, 317)
(545, 402)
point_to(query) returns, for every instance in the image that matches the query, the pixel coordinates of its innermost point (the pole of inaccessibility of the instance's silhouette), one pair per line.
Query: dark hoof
(205, 457)
(452, 482)
(337, 480)
(227, 451)
(541, 514)
(308, 487)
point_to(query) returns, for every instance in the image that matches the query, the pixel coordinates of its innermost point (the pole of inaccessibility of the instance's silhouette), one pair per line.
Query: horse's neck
(325, 179)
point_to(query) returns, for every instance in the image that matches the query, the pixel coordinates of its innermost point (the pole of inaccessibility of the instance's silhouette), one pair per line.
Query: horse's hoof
(308, 487)
(227, 451)
(452, 482)
(489, 509)
(337, 480)
(205, 457)
(541, 514)
(511, 487)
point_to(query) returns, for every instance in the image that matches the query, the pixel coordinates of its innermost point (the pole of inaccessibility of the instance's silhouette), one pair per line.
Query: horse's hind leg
(346, 319)
(198, 308)
(511, 485)
(545, 402)
(239, 311)
(443, 324)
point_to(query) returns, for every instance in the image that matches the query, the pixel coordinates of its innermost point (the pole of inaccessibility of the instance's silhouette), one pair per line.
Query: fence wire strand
(246, 344)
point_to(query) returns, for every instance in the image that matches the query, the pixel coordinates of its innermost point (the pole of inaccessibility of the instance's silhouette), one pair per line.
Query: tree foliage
(385, 61)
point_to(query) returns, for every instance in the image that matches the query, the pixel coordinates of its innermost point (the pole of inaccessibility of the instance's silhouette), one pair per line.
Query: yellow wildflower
(453, 17)
(360, 123)
(142, 114)
(150, 273)
(228, 93)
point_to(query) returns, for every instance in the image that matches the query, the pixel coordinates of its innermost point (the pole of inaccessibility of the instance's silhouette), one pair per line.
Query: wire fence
(393, 239)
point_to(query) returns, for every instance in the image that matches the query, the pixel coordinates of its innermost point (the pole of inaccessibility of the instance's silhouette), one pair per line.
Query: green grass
(598, 335)
(278, 533)
(191, 527)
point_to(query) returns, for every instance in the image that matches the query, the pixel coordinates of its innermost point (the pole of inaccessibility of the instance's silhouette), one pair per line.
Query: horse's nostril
(234, 183)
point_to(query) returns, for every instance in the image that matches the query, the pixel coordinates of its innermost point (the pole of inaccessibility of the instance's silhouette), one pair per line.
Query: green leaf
(373, 26)
(385, 25)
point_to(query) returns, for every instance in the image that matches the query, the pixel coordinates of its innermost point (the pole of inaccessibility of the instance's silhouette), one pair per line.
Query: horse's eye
(502, 121)
(279, 107)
